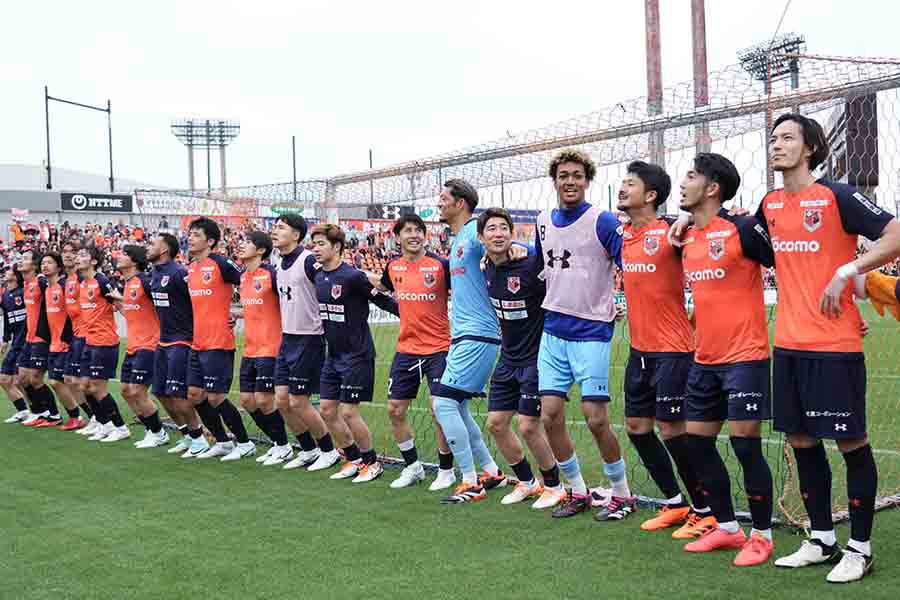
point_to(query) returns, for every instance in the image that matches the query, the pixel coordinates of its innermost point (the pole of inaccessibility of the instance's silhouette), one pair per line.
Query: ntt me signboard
(95, 202)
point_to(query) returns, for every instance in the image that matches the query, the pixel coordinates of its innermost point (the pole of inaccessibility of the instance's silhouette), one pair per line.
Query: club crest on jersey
(716, 249)
(429, 279)
(336, 291)
(207, 276)
(18, 300)
(164, 281)
(257, 285)
(55, 297)
(812, 219)
(513, 284)
(460, 251)
(651, 245)
(133, 293)
(90, 293)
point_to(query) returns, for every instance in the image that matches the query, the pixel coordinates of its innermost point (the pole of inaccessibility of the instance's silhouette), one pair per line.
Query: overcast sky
(407, 79)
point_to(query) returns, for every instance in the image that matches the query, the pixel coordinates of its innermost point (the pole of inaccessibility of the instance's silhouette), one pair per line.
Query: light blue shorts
(469, 367)
(564, 362)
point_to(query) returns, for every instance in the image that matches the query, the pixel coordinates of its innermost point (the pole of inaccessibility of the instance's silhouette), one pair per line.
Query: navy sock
(862, 487)
(445, 461)
(112, 409)
(50, 401)
(88, 409)
(212, 421)
(814, 474)
(656, 460)
(523, 471)
(20, 404)
(369, 457)
(352, 452)
(757, 480)
(73, 413)
(278, 432)
(260, 419)
(99, 410)
(33, 401)
(713, 476)
(326, 444)
(551, 477)
(233, 420)
(305, 439)
(153, 422)
(680, 450)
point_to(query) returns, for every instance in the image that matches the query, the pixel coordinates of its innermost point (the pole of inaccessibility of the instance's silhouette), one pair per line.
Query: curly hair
(573, 155)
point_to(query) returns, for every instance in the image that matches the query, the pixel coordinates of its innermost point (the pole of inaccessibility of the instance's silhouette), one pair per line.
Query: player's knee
(529, 427)
(671, 429)
(397, 412)
(801, 440)
(597, 422)
(498, 424)
(639, 426)
(328, 410)
(195, 395)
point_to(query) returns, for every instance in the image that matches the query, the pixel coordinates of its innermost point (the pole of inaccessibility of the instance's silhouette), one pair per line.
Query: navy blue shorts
(299, 363)
(351, 383)
(515, 388)
(258, 374)
(56, 365)
(408, 370)
(821, 394)
(138, 367)
(170, 369)
(655, 384)
(11, 361)
(34, 356)
(211, 370)
(734, 392)
(73, 360)
(99, 362)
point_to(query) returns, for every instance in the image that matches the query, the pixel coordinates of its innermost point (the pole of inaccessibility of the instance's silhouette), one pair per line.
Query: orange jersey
(262, 317)
(73, 305)
(140, 315)
(34, 298)
(814, 232)
(97, 314)
(211, 284)
(654, 290)
(421, 288)
(57, 317)
(722, 264)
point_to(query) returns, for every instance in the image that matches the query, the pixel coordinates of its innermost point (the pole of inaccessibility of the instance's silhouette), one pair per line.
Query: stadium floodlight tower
(768, 61)
(206, 134)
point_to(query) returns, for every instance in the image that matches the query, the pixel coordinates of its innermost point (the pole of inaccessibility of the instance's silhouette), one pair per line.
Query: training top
(580, 248)
(722, 264)
(421, 288)
(34, 306)
(344, 295)
(654, 290)
(211, 284)
(57, 318)
(140, 314)
(517, 292)
(73, 307)
(262, 319)
(14, 318)
(297, 292)
(471, 314)
(97, 312)
(171, 297)
(813, 233)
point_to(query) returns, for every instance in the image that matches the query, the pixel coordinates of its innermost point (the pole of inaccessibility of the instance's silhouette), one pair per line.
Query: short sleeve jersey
(722, 264)
(422, 289)
(654, 290)
(211, 283)
(517, 291)
(34, 298)
(169, 288)
(814, 232)
(262, 318)
(97, 312)
(73, 307)
(472, 315)
(140, 314)
(57, 317)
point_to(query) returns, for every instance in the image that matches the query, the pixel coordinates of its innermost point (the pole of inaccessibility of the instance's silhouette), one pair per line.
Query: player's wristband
(847, 271)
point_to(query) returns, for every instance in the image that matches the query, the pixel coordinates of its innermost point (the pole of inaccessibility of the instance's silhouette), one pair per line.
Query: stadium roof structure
(20, 177)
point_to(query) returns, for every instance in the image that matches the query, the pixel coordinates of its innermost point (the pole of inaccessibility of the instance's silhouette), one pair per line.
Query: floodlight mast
(206, 134)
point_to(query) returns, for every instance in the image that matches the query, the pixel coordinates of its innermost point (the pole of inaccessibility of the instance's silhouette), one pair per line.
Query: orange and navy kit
(36, 351)
(819, 366)
(722, 264)
(60, 327)
(262, 329)
(143, 331)
(101, 350)
(73, 309)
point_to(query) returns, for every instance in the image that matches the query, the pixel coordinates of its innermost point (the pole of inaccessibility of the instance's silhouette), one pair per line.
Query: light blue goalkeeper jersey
(471, 313)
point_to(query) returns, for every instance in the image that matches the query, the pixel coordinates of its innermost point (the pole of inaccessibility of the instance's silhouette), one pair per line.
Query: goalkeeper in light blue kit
(473, 349)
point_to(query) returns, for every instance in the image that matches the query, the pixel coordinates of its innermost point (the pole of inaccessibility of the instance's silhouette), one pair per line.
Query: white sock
(675, 500)
(470, 478)
(700, 511)
(826, 537)
(862, 547)
(766, 533)
(578, 485)
(729, 526)
(492, 469)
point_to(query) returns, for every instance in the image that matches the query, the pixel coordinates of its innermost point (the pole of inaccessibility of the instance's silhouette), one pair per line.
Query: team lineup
(526, 324)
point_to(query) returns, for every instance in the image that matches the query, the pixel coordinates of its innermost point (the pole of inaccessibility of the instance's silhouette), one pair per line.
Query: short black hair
(75, 242)
(461, 189)
(296, 222)
(36, 257)
(137, 254)
(20, 279)
(172, 242)
(655, 179)
(209, 228)
(813, 136)
(55, 258)
(404, 220)
(261, 240)
(718, 169)
(95, 253)
(500, 213)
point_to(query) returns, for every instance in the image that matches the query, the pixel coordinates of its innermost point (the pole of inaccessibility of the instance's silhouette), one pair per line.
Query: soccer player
(14, 330)
(819, 367)
(302, 352)
(34, 355)
(60, 329)
(348, 375)
(729, 380)
(101, 350)
(76, 345)
(171, 297)
(580, 246)
(473, 348)
(662, 350)
(211, 281)
(420, 281)
(262, 338)
(517, 290)
(136, 305)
